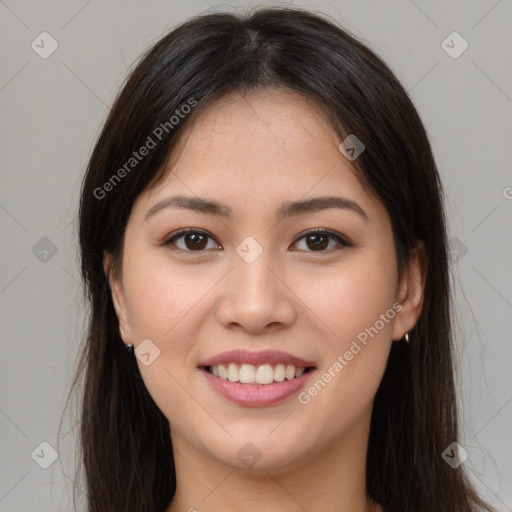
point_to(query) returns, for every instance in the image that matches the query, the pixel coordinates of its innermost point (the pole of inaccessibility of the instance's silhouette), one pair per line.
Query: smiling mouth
(263, 374)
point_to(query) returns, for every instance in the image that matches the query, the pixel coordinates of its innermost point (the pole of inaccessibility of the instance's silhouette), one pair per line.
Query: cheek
(351, 298)
(161, 304)
(356, 346)
(159, 297)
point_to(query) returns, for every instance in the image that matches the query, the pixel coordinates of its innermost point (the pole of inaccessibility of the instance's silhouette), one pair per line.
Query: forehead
(269, 146)
(273, 124)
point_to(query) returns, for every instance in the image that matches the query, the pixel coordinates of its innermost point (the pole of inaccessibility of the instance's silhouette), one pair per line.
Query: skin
(253, 153)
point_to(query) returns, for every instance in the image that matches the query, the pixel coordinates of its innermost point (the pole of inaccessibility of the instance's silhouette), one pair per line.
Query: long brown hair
(125, 444)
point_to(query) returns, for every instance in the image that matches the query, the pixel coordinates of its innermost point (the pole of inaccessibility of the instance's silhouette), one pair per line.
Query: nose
(256, 298)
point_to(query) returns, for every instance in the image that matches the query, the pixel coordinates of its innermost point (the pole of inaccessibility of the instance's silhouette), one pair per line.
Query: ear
(411, 291)
(118, 300)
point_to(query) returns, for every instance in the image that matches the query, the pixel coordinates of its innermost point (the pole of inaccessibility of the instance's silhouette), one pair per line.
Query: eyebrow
(287, 209)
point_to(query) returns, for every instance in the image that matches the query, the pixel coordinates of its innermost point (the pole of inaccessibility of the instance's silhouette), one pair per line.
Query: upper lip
(256, 358)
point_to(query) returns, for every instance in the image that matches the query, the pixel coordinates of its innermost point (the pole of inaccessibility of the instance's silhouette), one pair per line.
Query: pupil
(316, 244)
(196, 240)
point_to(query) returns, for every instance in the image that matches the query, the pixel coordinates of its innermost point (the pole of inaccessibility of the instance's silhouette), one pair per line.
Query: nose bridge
(257, 298)
(252, 268)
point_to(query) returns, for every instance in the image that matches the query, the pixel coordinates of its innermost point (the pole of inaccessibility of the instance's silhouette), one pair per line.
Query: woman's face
(252, 277)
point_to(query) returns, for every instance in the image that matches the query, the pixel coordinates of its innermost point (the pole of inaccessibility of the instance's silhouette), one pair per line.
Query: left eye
(197, 241)
(319, 240)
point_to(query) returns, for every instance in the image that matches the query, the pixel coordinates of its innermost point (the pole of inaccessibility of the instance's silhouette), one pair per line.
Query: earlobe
(411, 292)
(118, 300)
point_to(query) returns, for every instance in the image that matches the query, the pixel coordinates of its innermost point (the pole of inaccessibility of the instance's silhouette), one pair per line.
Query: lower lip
(254, 395)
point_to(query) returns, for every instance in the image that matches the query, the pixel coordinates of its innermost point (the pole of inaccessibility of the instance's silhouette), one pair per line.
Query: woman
(262, 228)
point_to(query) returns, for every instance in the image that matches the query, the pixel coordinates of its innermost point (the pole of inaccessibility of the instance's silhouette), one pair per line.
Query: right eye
(195, 240)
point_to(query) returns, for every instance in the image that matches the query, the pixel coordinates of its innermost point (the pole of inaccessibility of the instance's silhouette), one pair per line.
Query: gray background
(52, 110)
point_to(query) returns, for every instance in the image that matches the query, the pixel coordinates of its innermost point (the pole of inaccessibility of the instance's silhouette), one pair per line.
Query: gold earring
(406, 337)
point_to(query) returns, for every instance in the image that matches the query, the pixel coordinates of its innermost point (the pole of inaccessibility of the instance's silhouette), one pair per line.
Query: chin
(257, 451)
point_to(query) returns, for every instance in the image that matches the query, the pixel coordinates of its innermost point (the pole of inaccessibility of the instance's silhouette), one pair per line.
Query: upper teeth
(248, 373)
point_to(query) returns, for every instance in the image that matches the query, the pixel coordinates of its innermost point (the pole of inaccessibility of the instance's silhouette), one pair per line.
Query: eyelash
(340, 240)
